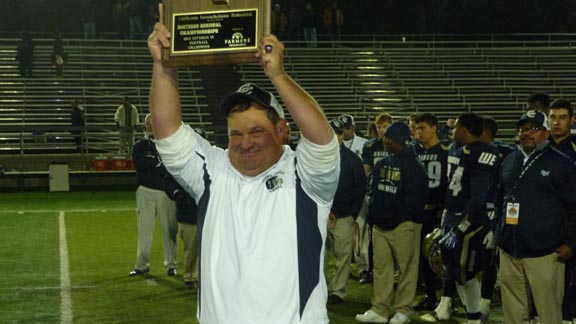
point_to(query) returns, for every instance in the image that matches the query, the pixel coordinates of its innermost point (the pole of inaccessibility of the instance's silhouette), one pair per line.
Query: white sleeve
(136, 117)
(185, 154)
(319, 168)
(117, 115)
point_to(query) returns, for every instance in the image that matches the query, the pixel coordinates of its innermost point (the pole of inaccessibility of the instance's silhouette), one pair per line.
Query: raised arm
(305, 111)
(164, 95)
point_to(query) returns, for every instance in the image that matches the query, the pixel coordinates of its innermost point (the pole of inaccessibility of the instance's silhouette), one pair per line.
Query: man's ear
(281, 127)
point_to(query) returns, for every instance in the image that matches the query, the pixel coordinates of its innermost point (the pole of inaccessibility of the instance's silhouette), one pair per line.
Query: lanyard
(525, 170)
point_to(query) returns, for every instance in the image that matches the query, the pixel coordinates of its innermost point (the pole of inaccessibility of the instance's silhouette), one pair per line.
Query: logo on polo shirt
(274, 183)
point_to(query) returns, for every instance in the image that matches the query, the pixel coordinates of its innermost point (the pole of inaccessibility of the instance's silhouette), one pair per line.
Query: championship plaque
(206, 32)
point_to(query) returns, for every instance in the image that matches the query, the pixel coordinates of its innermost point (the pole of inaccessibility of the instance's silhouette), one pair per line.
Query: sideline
(65, 296)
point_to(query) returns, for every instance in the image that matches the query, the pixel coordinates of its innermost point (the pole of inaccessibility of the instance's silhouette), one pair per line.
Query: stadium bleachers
(487, 78)
(445, 78)
(99, 72)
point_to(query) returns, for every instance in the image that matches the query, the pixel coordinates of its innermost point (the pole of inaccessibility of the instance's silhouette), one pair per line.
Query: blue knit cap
(398, 132)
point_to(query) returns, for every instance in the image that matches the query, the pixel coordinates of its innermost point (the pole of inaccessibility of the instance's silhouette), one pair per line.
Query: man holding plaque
(262, 208)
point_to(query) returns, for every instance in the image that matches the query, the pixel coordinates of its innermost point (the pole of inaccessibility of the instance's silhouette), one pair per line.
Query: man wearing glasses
(537, 223)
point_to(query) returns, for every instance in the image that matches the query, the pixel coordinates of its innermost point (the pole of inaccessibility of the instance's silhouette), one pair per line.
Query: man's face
(560, 122)
(382, 127)
(459, 133)
(254, 142)
(425, 132)
(531, 135)
(390, 145)
(348, 133)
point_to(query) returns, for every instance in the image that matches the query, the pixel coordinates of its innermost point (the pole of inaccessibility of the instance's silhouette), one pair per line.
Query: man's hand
(489, 241)
(564, 252)
(271, 55)
(450, 240)
(159, 39)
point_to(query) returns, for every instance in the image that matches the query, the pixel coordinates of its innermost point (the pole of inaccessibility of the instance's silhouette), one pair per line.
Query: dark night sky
(361, 16)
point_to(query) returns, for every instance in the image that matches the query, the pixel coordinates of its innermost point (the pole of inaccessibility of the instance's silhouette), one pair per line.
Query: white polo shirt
(261, 238)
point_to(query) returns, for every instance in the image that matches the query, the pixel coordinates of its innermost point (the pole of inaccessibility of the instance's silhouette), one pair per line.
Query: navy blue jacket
(150, 171)
(351, 185)
(547, 197)
(567, 146)
(399, 190)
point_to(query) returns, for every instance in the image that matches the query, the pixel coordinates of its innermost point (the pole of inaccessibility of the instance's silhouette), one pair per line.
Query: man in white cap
(262, 208)
(352, 141)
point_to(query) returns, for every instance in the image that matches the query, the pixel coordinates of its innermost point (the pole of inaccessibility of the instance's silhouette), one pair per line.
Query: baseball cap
(536, 117)
(347, 121)
(398, 132)
(252, 92)
(337, 126)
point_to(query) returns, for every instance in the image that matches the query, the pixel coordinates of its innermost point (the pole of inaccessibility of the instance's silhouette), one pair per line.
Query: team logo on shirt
(274, 183)
(544, 173)
(487, 158)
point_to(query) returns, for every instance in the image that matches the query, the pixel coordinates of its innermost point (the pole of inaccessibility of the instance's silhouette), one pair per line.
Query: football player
(434, 154)
(472, 168)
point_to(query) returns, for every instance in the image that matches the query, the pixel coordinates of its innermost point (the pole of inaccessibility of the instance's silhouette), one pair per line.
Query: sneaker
(172, 272)
(429, 318)
(371, 317)
(400, 318)
(444, 309)
(138, 272)
(335, 299)
(366, 277)
(426, 304)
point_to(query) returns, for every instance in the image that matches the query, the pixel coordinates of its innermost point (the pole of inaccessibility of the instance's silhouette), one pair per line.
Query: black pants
(429, 277)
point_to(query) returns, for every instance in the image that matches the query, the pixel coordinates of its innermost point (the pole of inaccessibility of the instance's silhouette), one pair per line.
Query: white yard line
(65, 297)
(93, 210)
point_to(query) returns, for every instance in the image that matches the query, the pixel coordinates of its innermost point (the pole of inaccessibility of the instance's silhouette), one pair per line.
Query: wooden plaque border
(228, 56)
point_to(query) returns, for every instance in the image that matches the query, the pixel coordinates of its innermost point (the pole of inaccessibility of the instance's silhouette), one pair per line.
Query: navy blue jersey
(567, 146)
(472, 169)
(373, 152)
(503, 150)
(435, 161)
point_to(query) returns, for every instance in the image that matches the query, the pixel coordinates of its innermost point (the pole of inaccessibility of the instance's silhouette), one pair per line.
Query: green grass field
(100, 241)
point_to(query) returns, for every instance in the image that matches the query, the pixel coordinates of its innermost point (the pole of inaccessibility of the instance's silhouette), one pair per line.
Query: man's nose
(246, 141)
